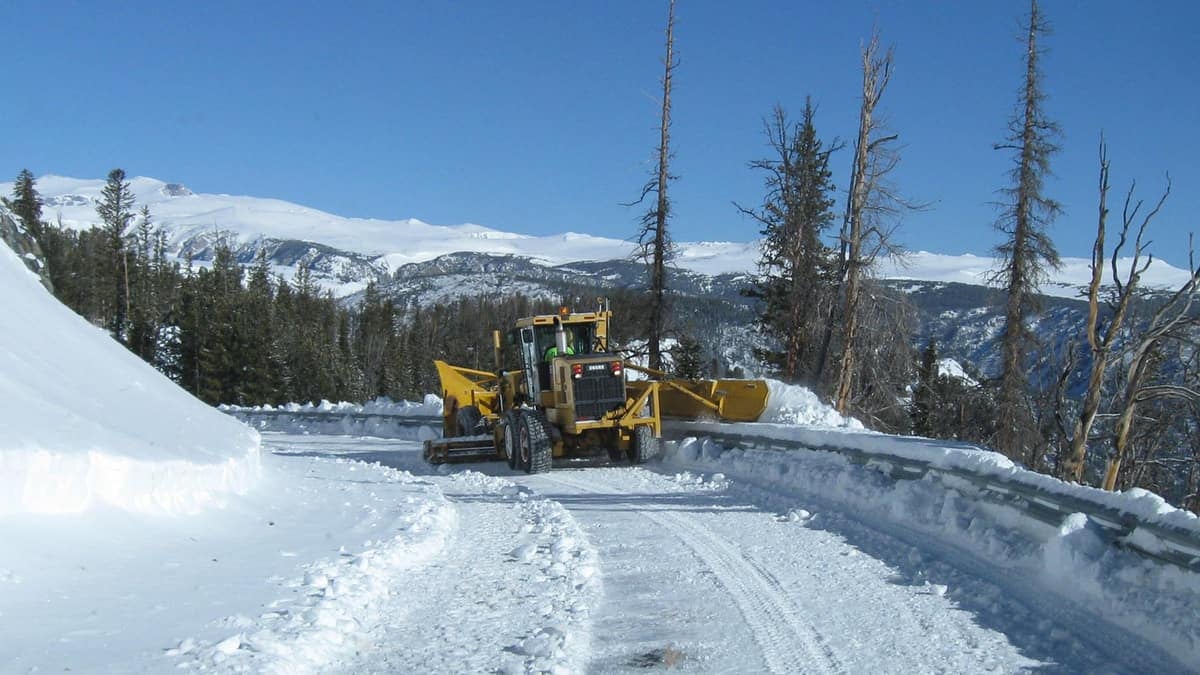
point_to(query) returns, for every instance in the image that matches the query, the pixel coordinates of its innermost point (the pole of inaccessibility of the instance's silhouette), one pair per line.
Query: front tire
(644, 445)
(468, 418)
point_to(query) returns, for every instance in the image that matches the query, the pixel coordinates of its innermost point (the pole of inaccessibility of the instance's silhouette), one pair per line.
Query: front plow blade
(461, 449)
(724, 400)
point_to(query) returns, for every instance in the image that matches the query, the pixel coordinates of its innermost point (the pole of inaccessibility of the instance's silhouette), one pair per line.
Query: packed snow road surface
(354, 556)
(620, 569)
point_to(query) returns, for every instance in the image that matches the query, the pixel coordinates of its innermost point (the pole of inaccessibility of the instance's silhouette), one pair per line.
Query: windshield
(579, 337)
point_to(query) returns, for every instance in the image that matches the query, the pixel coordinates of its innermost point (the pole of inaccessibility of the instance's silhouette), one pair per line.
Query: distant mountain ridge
(417, 263)
(346, 253)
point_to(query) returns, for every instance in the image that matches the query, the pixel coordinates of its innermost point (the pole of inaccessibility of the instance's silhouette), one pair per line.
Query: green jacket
(553, 352)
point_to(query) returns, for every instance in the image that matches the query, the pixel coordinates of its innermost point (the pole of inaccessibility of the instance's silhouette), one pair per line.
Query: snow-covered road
(612, 569)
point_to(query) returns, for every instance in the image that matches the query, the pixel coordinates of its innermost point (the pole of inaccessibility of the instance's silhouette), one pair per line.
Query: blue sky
(541, 117)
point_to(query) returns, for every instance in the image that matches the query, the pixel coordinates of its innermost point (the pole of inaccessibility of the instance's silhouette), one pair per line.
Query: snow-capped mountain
(345, 253)
(417, 262)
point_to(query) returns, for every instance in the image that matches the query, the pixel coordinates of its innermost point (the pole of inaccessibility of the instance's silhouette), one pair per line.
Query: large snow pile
(792, 404)
(85, 422)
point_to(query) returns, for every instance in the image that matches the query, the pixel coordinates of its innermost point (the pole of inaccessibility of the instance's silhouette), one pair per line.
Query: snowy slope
(188, 215)
(85, 422)
(141, 529)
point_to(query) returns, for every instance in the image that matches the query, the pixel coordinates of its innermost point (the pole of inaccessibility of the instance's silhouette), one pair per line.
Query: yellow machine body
(566, 390)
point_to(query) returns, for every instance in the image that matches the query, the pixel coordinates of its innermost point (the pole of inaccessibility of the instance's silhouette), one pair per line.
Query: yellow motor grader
(565, 394)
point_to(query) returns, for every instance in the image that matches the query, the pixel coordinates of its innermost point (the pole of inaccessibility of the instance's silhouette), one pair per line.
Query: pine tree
(925, 393)
(375, 330)
(143, 314)
(686, 356)
(116, 211)
(26, 203)
(796, 211)
(1027, 251)
(260, 366)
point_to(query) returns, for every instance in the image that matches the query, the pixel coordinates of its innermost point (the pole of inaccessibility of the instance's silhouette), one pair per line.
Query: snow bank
(1141, 504)
(85, 422)
(431, 406)
(334, 606)
(795, 405)
(1070, 562)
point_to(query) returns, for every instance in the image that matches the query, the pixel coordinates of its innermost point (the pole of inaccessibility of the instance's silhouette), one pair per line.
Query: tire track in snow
(488, 607)
(773, 619)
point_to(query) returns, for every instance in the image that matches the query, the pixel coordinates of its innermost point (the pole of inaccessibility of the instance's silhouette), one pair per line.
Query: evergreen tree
(284, 337)
(924, 395)
(144, 314)
(375, 333)
(116, 211)
(26, 203)
(687, 358)
(168, 281)
(260, 363)
(794, 265)
(1027, 250)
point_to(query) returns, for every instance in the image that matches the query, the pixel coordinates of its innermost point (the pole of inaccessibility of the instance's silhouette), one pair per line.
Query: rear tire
(510, 438)
(644, 445)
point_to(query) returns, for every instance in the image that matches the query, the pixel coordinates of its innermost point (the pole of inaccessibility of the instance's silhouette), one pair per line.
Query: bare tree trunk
(658, 266)
(1169, 318)
(877, 71)
(1101, 345)
(128, 300)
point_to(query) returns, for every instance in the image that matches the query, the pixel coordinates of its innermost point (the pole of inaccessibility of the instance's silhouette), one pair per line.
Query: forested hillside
(241, 334)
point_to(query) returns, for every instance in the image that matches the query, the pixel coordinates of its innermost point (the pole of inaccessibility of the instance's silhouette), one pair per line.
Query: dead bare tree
(871, 210)
(654, 243)
(1125, 289)
(1170, 321)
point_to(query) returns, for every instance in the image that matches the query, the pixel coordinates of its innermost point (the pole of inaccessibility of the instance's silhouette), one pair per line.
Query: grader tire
(510, 438)
(533, 443)
(645, 445)
(468, 418)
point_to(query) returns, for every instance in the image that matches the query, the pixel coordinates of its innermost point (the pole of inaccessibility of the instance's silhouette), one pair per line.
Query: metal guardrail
(1180, 547)
(398, 420)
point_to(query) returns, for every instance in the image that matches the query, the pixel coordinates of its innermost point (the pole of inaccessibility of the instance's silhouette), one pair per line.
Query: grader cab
(566, 394)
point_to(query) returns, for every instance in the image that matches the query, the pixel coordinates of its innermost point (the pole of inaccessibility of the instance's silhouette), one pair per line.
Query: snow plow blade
(469, 399)
(479, 448)
(723, 400)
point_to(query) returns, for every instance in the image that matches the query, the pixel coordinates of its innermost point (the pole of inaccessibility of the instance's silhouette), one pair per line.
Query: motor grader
(565, 393)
